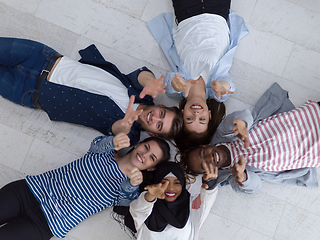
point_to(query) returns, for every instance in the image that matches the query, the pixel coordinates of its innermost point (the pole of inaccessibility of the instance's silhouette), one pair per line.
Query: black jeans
(21, 213)
(184, 9)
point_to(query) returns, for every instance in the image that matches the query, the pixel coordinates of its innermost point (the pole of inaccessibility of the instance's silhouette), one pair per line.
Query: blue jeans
(21, 63)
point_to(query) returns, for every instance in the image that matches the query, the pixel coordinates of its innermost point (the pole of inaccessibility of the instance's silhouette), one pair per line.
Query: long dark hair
(187, 139)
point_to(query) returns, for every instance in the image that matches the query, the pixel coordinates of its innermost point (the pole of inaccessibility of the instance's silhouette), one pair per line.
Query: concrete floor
(283, 46)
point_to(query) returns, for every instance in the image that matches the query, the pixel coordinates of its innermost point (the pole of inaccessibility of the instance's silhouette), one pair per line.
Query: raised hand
(121, 140)
(240, 130)
(211, 172)
(180, 85)
(135, 177)
(238, 172)
(157, 190)
(154, 87)
(124, 125)
(130, 116)
(220, 88)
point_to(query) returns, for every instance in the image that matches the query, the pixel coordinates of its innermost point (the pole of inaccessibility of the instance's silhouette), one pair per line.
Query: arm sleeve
(134, 88)
(140, 210)
(251, 185)
(133, 77)
(127, 193)
(101, 144)
(224, 131)
(201, 205)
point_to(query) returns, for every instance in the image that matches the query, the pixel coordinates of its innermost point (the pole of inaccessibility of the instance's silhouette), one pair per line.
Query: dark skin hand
(211, 172)
(238, 172)
(241, 131)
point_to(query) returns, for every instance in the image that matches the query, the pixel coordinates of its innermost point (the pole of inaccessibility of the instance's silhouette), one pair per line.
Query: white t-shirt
(91, 79)
(201, 41)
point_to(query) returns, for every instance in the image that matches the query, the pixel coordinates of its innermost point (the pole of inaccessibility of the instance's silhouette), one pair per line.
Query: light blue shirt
(161, 29)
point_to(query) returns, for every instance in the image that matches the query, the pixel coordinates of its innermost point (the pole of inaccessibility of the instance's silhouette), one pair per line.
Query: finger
(242, 161)
(131, 101)
(206, 168)
(121, 145)
(246, 142)
(165, 185)
(134, 170)
(215, 171)
(162, 78)
(143, 93)
(211, 168)
(123, 138)
(240, 183)
(205, 186)
(150, 186)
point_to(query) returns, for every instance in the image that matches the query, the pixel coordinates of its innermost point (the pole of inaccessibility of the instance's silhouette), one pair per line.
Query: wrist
(149, 197)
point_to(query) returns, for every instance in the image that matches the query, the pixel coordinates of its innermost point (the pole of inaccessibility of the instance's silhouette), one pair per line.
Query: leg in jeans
(188, 8)
(21, 214)
(21, 62)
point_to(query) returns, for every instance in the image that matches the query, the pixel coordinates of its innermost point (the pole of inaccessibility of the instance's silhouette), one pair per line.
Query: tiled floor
(283, 46)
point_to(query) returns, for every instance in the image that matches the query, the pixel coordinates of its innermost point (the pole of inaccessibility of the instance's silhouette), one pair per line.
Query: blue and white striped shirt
(81, 188)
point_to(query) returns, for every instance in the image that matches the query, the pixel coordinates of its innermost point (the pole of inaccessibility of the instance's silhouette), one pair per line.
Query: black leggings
(21, 213)
(184, 9)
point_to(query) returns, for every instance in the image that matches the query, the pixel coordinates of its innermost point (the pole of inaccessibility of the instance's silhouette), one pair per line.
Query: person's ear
(209, 114)
(182, 110)
(153, 134)
(151, 169)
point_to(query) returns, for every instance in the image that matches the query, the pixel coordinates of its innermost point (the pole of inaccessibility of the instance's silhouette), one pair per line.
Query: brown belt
(45, 73)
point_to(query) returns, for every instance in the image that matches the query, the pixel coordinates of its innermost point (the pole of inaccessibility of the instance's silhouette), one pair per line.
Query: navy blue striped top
(81, 188)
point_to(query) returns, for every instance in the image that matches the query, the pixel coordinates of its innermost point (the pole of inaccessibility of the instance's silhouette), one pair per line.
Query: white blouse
(201, 41)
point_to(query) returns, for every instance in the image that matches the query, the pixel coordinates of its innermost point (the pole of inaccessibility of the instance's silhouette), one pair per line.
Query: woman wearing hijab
(167, 211)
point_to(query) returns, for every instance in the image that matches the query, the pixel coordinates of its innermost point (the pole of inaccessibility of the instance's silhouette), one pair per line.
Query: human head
(196, 115)
(150, 152)
(165, 122)
(194, 158)
(186, 139)
(175, 213)
(171, 172)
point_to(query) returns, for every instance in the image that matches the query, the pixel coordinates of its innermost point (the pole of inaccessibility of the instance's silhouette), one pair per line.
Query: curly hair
(189, 174)
(186, 139)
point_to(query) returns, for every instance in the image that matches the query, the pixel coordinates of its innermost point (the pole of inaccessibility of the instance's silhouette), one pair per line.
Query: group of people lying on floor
(276, 142)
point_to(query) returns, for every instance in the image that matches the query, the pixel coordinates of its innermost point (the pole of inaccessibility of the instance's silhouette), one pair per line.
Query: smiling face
(209, 154)
(196, 115)
(146, 155)
(156, 119)
(173, 190)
